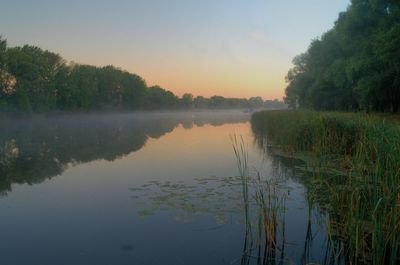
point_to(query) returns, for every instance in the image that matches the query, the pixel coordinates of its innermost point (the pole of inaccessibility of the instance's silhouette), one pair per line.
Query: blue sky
(237, 48)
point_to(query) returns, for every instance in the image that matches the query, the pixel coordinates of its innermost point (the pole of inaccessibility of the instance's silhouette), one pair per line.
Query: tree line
(355, 65)
(36, 80)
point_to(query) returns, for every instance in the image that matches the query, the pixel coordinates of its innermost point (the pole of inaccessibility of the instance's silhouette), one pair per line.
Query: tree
(353, 66)
(3, 50)
(134, 91)
(200, 102)
(157, 97)
(256, 102)
(35, 71)
(187, 100)
(8, 82)
(32, 79)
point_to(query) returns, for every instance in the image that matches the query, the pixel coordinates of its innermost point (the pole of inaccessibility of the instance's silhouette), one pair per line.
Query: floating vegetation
(218, 197)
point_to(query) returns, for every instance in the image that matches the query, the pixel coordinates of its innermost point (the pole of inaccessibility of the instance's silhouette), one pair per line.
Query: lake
(149, 188)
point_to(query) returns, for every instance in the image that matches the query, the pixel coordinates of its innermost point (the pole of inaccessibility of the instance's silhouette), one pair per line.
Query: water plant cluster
(352, 172)
(264, 212)
(213, 196)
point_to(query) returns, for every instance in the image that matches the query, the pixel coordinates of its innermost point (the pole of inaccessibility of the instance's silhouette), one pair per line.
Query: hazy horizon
(240, 49)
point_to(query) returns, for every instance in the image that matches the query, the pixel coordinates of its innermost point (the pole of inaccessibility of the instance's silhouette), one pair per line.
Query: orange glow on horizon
(207, 77)
(212, 79)
(227, 82)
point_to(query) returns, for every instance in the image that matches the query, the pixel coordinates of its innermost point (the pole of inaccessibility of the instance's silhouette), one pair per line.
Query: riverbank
(363, 196)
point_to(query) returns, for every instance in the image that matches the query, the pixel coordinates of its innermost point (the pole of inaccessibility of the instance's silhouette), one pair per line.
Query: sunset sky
(233, 48)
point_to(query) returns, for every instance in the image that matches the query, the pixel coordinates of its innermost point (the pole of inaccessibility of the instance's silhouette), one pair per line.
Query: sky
(233, 48)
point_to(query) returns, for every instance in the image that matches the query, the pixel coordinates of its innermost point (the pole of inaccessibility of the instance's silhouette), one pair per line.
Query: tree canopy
(35, 80)
(353, 66)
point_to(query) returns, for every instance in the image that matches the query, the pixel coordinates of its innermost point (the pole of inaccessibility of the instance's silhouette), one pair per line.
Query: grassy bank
(356, 178)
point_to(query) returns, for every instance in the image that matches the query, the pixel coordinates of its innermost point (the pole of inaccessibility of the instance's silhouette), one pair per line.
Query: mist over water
(34, 149)
(138, 188)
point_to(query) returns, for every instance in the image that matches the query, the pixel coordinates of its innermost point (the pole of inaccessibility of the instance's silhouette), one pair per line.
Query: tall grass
(356, 178)
(241, 154)
(266, 218)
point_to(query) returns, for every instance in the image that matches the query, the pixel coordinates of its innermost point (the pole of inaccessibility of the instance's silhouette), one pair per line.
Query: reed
(241, 154)
(263, 211)
(355, 178)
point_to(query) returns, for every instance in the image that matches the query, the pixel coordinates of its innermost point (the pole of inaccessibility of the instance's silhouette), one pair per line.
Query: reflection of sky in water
(114, 212)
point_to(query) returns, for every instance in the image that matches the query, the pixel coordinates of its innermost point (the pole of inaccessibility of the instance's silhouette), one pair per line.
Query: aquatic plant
(267, 216)
(355, 178)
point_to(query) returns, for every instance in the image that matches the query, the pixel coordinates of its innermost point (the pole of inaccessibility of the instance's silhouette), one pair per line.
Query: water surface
(142, 189)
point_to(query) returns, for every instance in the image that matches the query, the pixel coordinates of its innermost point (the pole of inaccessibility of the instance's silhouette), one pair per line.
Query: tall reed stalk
(268, 204)
(356, 178)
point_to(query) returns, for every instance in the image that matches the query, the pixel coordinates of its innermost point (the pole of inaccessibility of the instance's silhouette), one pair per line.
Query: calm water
(141, 189)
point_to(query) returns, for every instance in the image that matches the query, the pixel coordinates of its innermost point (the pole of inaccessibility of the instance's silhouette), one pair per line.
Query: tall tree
(353, 66)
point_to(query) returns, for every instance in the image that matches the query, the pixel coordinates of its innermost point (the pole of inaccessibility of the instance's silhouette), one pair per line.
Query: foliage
(353, 66)
(34, 80)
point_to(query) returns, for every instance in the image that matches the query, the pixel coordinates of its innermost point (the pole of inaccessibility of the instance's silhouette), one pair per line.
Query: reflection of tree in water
(32, 150)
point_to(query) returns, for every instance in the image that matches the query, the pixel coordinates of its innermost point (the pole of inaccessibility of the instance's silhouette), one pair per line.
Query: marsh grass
(355, 178)
(264, 207)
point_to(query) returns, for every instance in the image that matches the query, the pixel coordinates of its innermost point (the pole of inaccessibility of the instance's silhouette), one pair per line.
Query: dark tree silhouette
(353, 66)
